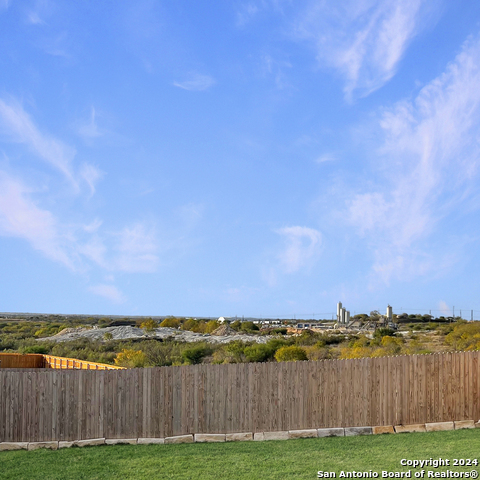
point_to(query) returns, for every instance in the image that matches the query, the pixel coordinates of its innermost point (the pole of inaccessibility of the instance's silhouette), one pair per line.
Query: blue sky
(257, 158)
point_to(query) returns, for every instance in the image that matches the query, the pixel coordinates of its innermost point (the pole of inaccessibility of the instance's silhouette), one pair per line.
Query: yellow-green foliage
(355, 352)
(200, 326)
(171, 322)
(49, 330)
(363, 347)
(290, 354)
(211, 326)
(465, 336)
(130, 358)
(149, 325)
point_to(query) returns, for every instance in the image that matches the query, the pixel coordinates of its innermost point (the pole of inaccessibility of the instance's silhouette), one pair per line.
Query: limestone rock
(417, 427)
(121, 441)
(209, 437)
(4, 446)
(179, 439)
(37, 445)
(239, 437)
(89, 442)
(310, 433)
(150, 441)
(461, 424)
(439, 426)
(354, 431)
(383, 429)
(275, 435)
(330, 432)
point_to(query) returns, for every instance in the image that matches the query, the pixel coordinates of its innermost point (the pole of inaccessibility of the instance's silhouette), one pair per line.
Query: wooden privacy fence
(41, 405)
(37, 360)
(49, 361)
(15, 360)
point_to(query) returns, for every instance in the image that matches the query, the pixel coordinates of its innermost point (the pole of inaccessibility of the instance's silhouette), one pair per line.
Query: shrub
(382, 332)
(102, 322)
(329, 339)
(211, 326)
(259, 353)
(35, 349)
(290, 354)
(356, 352)
(275, 343)
(236, 325)
(195, 354)
(249, 327)
(170, 322)
(232, 352)
(307, 337)
(464, 336)
(318, 353)
(191, 325)
(130, 358)
(149, 325)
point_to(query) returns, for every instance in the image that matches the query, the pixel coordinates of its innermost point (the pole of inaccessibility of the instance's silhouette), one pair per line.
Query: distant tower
(389, 313)
(343, 315)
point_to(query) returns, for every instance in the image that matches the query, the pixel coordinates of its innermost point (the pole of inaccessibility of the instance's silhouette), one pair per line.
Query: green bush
(290, 354)
(236, 325)
(171, 322)
(259, 353)
(36, 349)
(248, 327)
(384, 331)
(195, 354)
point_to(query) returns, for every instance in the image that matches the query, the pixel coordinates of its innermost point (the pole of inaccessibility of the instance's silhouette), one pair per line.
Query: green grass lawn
(243, 460)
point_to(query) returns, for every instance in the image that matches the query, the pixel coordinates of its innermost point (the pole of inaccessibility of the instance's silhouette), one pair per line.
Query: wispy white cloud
(20, 217)
(40, 9)
(89, 129)
(326, 157)
(57, 46)
(110, 292)
(93, 226)
(246, 12)
(77, 246)
(34, 19)
(95, 250)
(90, 175)
(136, 249)
(196, 82)
(363, 39)
(18, 126)
(276, 68)
(16, 123)
(190, 214)
(302, 245)
(430, 161)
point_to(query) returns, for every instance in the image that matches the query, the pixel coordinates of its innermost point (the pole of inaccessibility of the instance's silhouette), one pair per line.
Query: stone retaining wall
(247, 436)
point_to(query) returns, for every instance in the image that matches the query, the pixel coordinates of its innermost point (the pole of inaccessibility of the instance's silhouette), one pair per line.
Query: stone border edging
(247, 436)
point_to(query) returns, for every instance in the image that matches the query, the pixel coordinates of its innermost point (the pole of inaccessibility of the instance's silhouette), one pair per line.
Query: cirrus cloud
(196, 82)
(301, 245)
